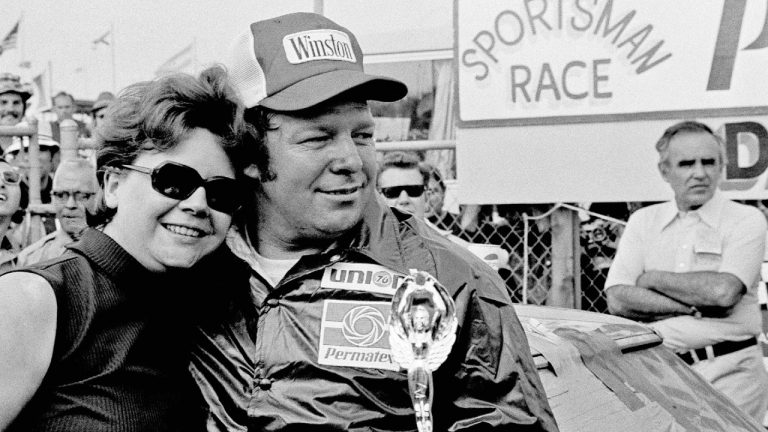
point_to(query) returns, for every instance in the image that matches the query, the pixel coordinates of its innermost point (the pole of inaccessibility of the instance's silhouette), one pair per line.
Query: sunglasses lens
(175, 180)
(223, 194)
(413, 191)
(11, 177)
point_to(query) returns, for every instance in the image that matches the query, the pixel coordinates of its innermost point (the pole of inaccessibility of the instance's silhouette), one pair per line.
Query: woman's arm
(27, 334)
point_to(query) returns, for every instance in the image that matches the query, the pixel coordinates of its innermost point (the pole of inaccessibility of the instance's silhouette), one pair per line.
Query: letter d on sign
(740, 136)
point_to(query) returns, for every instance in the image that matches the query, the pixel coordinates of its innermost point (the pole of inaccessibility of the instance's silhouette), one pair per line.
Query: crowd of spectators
(67, 188)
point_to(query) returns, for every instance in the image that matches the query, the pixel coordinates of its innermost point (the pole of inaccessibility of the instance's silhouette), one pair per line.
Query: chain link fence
(525, 232)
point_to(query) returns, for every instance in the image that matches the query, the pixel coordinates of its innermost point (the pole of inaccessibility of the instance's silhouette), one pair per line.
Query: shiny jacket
(314, 353)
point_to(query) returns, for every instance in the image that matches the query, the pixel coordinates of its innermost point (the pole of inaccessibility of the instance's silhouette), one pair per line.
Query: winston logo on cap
(318, 45)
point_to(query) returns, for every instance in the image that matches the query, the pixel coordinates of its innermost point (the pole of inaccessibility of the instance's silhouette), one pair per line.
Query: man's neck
(272, 245)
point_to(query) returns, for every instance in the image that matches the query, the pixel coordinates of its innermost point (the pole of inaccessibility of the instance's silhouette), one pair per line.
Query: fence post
(68, 144)
(562, 291)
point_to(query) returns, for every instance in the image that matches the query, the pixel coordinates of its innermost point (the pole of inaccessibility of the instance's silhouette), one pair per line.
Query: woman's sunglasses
(179, 182)
(10, 177)
(413, 191)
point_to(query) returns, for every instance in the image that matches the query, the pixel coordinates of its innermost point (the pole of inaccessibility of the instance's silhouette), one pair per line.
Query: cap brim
(24, 95)
(320, 88)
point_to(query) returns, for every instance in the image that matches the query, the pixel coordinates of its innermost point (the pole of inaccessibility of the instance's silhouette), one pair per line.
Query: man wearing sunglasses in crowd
(310, 351)
(74, 191)
(403, 181)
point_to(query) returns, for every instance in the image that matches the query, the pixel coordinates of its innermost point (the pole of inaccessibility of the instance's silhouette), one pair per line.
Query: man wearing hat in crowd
(310, 349)
(13, 103)
(99, 109)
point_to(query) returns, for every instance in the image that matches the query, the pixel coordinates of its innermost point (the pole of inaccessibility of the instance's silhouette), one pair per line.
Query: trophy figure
(422, 329)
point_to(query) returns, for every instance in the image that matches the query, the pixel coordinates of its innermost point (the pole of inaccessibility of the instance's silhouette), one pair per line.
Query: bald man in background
(73, 196)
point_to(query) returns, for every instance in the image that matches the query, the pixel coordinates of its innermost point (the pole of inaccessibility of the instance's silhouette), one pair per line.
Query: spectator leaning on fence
(74, 191)
(691, 266)
(314, 212)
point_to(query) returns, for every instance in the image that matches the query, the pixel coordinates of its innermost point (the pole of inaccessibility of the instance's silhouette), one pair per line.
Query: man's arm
(490, 380)
(27, 333)
(642, 304)
(703, 289)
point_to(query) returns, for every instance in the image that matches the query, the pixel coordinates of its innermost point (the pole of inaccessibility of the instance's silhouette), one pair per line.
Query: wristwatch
(694, 312)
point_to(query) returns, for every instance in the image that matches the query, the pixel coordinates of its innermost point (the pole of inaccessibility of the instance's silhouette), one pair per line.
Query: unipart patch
(361, 277)
(323, 44)
(355, 334)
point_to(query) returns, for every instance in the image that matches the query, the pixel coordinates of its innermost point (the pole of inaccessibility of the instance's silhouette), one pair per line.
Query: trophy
(422, 329)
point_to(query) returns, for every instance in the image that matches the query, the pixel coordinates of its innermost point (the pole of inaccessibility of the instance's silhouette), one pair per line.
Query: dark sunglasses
(11, 177)
(413, 191)
(179, 182)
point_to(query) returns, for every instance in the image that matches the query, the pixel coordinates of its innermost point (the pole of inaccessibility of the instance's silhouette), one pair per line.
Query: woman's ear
(112, 180)
(252, 171)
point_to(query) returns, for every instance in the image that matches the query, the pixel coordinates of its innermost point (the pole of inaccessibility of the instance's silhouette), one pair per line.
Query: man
(435, 211)
(13, 103)
(48, 152)
(64, 107)
(74, 191)
(691, 266)
(402, 179)
(310, 352)
(99, 109)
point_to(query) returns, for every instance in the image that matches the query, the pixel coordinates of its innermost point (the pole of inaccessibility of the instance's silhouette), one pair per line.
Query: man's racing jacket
(314, 353)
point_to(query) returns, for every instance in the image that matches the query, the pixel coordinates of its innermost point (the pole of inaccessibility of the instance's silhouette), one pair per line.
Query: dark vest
(122, 346)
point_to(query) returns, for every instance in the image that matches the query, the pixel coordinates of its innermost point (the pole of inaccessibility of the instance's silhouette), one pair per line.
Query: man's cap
(299, 60)
(44, 139)
(11, 83)
(102, 101)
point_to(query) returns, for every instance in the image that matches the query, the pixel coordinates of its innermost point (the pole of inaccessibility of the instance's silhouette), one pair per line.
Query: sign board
(563, 100)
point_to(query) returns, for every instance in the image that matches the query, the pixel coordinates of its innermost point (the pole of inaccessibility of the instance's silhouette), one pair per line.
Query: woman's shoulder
(25, 291)
(27, 304)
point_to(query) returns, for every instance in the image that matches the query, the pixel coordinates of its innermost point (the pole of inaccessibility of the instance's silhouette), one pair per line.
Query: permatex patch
(355, 334)
(361, 277)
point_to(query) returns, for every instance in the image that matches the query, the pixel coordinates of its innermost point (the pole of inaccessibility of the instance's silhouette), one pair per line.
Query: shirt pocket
(707, 250)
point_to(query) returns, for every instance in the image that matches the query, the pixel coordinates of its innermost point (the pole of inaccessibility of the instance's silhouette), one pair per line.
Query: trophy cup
(422, 329)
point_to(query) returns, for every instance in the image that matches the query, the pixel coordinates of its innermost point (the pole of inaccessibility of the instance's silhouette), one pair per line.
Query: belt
(718, 349)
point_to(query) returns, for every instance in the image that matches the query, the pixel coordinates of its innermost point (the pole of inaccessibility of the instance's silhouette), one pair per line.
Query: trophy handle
(422, 329)
(420, 386)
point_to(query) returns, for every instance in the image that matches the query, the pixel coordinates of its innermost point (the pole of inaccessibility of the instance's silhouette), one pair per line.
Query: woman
(13, 200)
(99, 335)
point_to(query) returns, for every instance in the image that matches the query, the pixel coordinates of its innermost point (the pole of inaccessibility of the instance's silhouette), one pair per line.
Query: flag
(40, 82)
(102, 39)
(182, 61)
(10, 40)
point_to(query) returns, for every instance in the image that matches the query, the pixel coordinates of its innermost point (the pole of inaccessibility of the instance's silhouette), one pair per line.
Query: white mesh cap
(299, 60)
(245, 72)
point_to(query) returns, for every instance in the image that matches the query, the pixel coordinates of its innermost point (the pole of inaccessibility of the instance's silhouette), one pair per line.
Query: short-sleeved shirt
(51, 246)
(721, 236)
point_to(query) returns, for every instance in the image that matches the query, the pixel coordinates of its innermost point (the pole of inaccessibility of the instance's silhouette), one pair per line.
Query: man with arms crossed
(690, 267)
(310, 350)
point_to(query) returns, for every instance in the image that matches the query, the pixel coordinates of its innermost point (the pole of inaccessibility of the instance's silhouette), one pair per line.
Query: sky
(56, 36)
